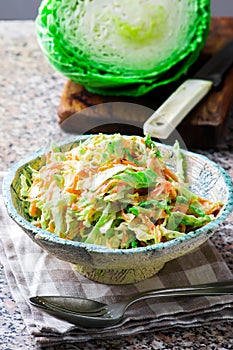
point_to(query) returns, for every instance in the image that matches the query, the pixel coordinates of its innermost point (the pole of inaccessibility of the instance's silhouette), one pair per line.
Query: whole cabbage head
(123, 47)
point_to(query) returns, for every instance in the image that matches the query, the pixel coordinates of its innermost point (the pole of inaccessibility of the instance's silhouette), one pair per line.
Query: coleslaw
(115, 191)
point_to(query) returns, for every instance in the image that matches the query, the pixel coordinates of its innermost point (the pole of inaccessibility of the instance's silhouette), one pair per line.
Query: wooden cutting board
(204, 127)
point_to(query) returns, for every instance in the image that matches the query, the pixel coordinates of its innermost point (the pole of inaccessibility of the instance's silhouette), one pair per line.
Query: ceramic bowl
(124, 266)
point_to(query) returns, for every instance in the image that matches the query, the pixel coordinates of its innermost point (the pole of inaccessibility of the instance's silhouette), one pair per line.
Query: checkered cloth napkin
(32, 271)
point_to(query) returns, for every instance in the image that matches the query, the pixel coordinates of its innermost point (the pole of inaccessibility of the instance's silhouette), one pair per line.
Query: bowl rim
(40, 234)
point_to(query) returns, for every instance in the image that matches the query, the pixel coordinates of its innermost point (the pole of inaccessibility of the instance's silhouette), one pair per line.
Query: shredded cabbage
(114, 191)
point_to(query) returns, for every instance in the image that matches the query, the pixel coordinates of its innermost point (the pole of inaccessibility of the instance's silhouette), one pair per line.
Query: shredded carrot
(169, 174)
(214, 208)
(117, 161)
(109, 165)
(126, 143)
(33, 209)
(169, 188)
(74, 206)
(124, 215)
(204, 201)
(182, 228)
(72, 187)
(181, 207)
(51, 226)
(163, 187)
(106, 186)
(71, 190)
(36, 223)
(126, 162)
(118, 187)
(209, 206)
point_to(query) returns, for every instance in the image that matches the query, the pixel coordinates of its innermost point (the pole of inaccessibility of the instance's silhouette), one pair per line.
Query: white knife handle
(165, 119)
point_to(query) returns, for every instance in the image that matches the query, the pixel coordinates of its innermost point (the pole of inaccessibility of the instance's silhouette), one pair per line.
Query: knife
(166, 118)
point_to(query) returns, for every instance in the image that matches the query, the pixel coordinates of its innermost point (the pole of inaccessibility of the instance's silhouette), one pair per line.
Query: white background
(27, 9)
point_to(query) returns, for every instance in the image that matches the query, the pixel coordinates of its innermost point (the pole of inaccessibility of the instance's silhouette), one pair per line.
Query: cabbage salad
(114, 191)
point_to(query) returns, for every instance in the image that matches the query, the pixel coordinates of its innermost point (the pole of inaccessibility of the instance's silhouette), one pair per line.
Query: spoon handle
(208, 289)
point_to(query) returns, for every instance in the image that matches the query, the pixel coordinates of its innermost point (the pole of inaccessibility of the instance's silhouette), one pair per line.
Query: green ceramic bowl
(122, 266)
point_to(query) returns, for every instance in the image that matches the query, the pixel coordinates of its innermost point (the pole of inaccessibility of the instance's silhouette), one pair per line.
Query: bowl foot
(121, 276)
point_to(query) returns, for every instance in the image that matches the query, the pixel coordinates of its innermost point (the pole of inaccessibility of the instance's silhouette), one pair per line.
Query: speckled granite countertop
(29, 95)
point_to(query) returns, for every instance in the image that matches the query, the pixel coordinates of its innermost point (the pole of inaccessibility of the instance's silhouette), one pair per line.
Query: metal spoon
(90, 313)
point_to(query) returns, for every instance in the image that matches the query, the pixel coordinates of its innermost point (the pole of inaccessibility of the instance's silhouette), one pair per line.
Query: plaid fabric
(31, 271)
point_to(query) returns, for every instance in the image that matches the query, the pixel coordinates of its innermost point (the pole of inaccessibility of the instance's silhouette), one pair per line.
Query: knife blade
(217, 65)
(166, 118)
